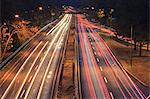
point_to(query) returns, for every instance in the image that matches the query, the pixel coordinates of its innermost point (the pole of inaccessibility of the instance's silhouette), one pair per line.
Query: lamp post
(131, 46)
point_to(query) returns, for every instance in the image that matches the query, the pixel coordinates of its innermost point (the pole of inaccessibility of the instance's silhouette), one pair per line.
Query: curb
(135, 78)
(23, 45)
(128, 71)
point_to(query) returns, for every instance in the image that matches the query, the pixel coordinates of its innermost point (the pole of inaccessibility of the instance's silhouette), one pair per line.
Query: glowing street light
(92, 8)
(87, 8)
(40, 8)
(16, 16)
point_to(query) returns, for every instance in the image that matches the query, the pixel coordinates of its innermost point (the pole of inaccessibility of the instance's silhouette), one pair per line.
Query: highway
(102, 76)
(30, 73)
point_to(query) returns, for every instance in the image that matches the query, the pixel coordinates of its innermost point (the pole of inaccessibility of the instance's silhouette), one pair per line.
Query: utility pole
(131, 47)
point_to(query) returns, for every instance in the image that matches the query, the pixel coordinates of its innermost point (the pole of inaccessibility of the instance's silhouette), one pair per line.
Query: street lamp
(40, 8)
(17, 16)
(131, 46)
(92, 8)
(53, 14)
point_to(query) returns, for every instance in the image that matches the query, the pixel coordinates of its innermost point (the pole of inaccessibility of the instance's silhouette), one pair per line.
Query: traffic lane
(19, 77)
(17, 61)
(118, 80)
(84, 81)
(124, 78)
(31, 72)
(11, 75)
(94, 53)
(84, 84)
(36, 81)
(125, 90)
(33, 90)
(90, 92)
(102, 86)
(132, 91)
(110, 79)
(108, 75)
(46, 85)
(93, 69)
(48, 80)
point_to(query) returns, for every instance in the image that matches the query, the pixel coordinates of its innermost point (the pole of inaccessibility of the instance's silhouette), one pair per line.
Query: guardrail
(24, 44)
(78, 92)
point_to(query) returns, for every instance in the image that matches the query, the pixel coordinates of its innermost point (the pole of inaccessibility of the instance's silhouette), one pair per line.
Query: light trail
(18, 92)
(53, 41)
(10, 85)
(59, 42)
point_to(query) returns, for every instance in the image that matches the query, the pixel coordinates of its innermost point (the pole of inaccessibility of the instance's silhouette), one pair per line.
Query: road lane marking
(93, 48)
(18, 92)
(41, 59)
(36, 67)
(22, 93)
(49, 76)
(101, 68)
(10, 85)
(97, 59)
(30, 79)
(50, 72)
(95, 53)
(111, 94)
(105, 80)
(44, 52)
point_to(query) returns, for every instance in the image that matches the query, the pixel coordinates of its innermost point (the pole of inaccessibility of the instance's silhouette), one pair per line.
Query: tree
(131, 12)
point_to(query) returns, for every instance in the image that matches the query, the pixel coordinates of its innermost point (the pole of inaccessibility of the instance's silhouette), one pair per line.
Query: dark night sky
(27, 4)
(9, 7)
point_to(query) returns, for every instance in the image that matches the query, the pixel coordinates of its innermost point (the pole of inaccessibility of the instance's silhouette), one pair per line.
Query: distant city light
(16, 16)
(92, 8)
(52, 13)
(40, 8)
(87, 8)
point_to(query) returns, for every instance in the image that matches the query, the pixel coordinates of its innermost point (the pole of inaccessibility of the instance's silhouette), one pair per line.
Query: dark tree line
(135, 13)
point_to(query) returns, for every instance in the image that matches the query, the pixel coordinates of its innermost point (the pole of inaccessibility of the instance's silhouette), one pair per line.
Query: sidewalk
(140, 65)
